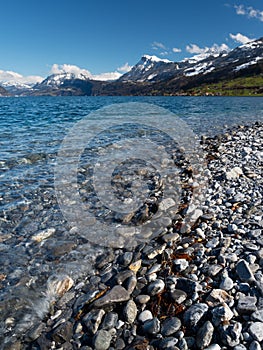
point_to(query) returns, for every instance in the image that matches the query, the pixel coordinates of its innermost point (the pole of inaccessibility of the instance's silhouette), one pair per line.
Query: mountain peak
(154, 58)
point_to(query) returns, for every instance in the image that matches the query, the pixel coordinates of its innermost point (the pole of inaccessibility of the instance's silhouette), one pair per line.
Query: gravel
(199, 289)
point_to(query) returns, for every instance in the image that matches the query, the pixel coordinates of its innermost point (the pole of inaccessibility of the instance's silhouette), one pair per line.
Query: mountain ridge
(156, 76)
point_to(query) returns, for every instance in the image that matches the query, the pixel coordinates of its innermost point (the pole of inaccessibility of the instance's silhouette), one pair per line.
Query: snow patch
(245, 65)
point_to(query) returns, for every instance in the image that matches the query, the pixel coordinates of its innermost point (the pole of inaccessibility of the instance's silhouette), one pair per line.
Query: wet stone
(104, 259)
(170, 326)
(126, 258)
(35, 332)
(204, 335)
(92, 320)
(63, 332)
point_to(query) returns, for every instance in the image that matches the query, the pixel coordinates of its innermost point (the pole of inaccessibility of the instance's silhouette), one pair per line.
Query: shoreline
(198, 290)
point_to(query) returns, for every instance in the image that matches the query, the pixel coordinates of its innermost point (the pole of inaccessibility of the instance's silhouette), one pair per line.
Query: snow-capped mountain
(15, 83)
(152, 69)
(156, 76)
(58, 80)
(148, 68)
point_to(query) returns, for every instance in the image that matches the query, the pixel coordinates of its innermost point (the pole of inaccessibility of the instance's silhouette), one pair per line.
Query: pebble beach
(201, 289)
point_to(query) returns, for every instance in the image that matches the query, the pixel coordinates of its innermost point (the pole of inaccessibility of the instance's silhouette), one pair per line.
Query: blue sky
(40, 37)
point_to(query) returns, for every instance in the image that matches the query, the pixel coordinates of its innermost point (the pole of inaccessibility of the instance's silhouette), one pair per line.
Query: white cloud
(240, 9)
(125, 68)
(215, 48)
(240, 38)
(157, 45)
(175, 49)
(77, 71)
(107, 76)
(249, 11)
(164, 53)
(14, 77)
(69, 68)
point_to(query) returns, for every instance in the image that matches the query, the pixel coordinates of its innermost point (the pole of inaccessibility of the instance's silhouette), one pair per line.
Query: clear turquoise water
(31, 131)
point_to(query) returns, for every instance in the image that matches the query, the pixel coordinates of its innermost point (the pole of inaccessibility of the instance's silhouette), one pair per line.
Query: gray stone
(257, 315)
(145, 315)
(171, 237)
(104, 259)
(230, 334)
(255, 346)
(180, 264)
(126, 258)
(193, 315)
(117, 294)
(130, 311)
(130, 284)
(151, 327)
(226, 283)
(156, 287)
(240, 347)
(232, 228)
(35, 332)
(204, 335)
(63, 332)
(101, 340)
(170, 326)
(120, 344)
(187, 285)
(178, 296)
(218, 296)
(182, 345)
(110, 321)
(244, 272)
(221, 314)
(246, 305)
(123, 275)
(213, 270)
(169, 343)
(213, 347)
(256, 330)
(142, 298)
(92, 320)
